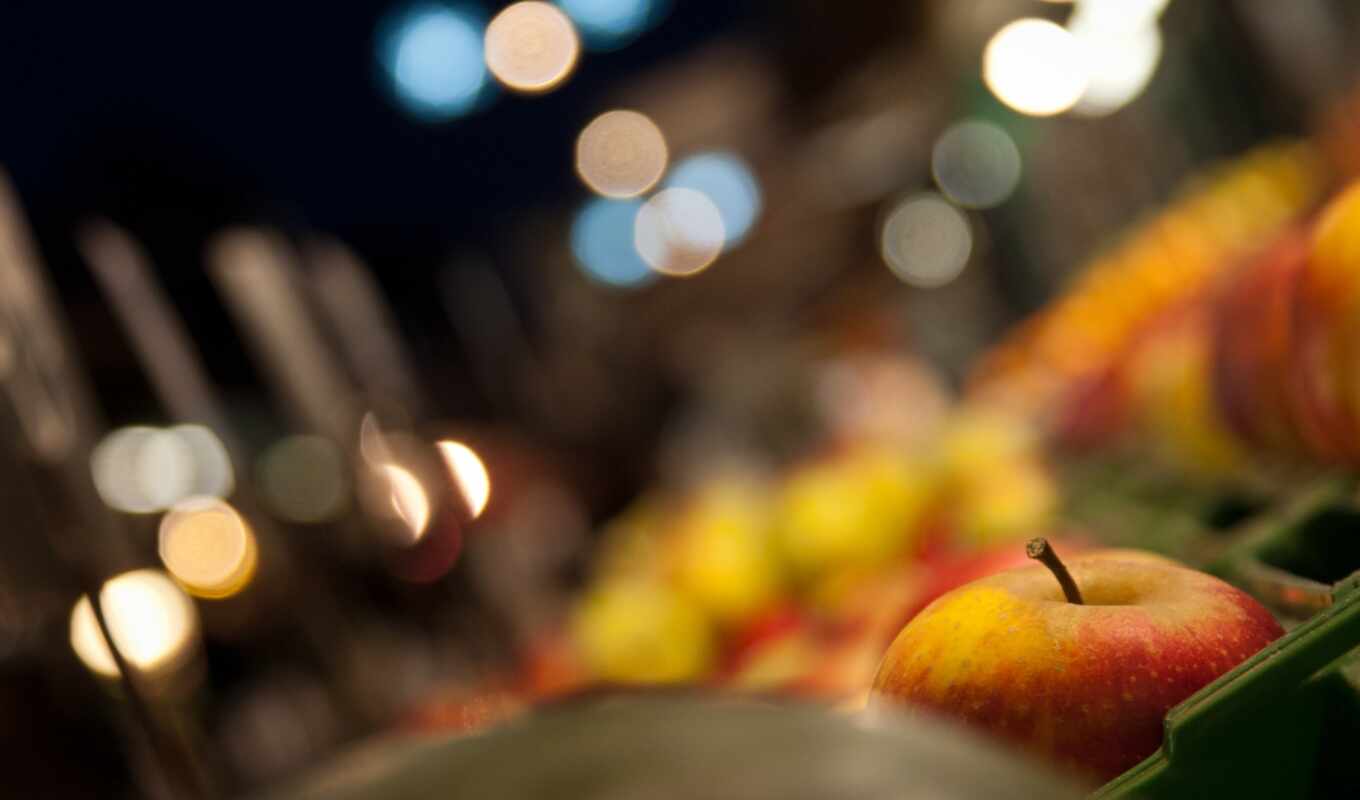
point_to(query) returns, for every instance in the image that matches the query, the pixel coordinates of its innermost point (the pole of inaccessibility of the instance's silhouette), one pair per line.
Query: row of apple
(799, 583)
(1260, 367)
(1127, 349)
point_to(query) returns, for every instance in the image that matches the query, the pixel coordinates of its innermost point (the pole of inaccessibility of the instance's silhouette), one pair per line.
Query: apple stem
(1040, 550)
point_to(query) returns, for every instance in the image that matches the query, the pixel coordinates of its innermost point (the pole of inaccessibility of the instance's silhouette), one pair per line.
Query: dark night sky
(176, 119)
(279, 108)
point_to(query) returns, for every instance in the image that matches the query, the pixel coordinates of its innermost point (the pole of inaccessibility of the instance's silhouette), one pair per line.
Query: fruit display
(798, 583)
(889, 572)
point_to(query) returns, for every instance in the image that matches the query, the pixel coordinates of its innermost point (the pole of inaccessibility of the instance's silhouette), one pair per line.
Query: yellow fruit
(976, 441)
(723, 557)
(857, 510)
(634, 631)
(1009, 501)
(632, 544)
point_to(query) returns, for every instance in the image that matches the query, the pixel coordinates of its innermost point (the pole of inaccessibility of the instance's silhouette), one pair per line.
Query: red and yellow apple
(1087, 684)
(949, 570)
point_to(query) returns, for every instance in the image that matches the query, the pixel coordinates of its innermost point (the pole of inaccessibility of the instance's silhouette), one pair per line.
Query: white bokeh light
(976, 164)
(1035, 67)
(679, 231)
(926, 241)
(469, 475)
(153, 623)
(728, 181)
(1119, 66)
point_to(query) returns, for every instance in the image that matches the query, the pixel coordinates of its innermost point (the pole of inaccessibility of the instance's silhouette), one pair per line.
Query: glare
(726, 180)
(602, 243)
(621, 154)
(469, 475)
(926, 241)
(208, 547)
(303, 479)
(976, 164)
(141, 469)
(531, 47)
(607, 24)
(433, 56)
(1119, 65)
(409, 502)
(1116, 17)
(213, 473)
(1035, 67)
(678, 232)
(152, 621)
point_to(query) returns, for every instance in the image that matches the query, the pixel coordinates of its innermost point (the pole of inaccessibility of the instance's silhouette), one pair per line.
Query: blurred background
(345, 345)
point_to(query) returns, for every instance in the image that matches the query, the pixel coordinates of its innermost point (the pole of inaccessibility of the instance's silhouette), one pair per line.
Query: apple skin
(950, 570)
(1086, 686)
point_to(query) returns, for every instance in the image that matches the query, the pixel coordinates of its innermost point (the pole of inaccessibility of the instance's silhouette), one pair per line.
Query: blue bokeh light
(432, 54)
(609, 24)
(602, 242)
(729, 183)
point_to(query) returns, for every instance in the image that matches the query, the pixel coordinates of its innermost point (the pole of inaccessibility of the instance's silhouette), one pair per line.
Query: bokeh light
(1035, 67)
(1119, 65)
(621, 154)
(926, 241)
(469, 475)
(141, 469)
(212, 470)
(433, 56)
(602, 243)
(208, 547)
(1116, 16)
(303, 479)
(678, 232)
(726, 180)
(531, 47)
(153, 623)
(609, 24)
(976, 164)
(408, 499)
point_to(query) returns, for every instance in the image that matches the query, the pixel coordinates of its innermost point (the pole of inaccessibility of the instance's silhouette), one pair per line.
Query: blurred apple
(856, 509)
(630, 630)
(722, 557)
(774, 650)
(1005, 503)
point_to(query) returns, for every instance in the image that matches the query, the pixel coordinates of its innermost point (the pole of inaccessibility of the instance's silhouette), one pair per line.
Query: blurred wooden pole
(353, 307)
(57, 413)
(255, 273)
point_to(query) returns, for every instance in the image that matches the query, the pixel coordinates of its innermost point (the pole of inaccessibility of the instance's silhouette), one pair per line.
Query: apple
(636, 631)
(948, 571)
(720, 553)
(1081, 669)
(854, 510)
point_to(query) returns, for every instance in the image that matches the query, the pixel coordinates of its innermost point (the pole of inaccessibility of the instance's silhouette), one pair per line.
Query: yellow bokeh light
(469, 475)
(679, 231)
(1035, 67)
(208, 547)
(621, 154)
(408, 499)
(153, 623)
(531, 47)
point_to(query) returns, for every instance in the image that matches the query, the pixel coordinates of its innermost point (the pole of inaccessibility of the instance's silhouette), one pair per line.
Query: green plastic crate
(1286, 723)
